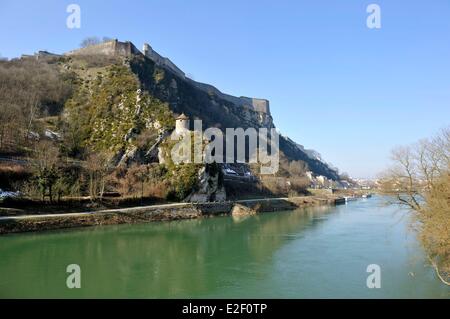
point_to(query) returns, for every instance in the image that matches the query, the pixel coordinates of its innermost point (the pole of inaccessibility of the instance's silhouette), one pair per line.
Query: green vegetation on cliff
(110, 112)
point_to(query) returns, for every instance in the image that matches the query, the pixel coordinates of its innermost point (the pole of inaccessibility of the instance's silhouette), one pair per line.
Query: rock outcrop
(210, 186)
(241, 210)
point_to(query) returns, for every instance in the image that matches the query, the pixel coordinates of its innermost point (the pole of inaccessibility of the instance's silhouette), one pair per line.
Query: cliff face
(199, 100)
(163, 80)
(214, 108)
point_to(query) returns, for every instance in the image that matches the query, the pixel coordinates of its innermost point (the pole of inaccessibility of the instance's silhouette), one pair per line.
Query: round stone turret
(181, 124)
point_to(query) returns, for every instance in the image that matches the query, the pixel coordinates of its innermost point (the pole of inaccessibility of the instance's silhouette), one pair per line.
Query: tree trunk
(436, 268)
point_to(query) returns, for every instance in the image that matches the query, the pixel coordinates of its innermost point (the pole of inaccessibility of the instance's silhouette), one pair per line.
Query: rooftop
(183, 117)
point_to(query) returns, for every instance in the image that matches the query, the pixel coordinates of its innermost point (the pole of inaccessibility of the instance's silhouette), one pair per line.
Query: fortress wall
(162, 61)
(125, 48)
(211, 89)
(112, 47)
(115, 47)
(154, 56)
(173, 67)
(259, 105)
(107, 48)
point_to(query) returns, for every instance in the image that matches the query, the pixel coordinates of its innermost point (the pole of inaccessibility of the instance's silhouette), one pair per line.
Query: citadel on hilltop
(197, 100)
(127, 48)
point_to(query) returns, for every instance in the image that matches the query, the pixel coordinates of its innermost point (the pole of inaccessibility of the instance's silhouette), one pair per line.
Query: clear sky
(350, 92)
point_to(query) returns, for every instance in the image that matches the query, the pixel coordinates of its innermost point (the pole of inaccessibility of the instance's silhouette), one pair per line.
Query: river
(319, 252)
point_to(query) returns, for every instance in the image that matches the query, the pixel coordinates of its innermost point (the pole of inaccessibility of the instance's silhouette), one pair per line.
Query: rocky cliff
(161, 79)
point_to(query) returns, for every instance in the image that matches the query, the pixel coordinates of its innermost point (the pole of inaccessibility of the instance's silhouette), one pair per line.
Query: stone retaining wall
(151, 213)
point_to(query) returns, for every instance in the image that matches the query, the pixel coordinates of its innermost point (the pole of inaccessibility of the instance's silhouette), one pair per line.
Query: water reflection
(184, 258)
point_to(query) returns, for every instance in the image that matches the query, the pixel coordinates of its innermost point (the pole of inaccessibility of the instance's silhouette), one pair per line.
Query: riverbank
(164, 212)
(315, 252)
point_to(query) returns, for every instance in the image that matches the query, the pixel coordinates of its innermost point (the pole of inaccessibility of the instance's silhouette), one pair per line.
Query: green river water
(320, 252)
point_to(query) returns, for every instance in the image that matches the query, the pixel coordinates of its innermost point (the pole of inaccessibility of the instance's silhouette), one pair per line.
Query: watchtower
(181, 124)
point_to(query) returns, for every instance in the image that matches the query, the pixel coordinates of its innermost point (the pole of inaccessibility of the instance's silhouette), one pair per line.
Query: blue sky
(350, 92)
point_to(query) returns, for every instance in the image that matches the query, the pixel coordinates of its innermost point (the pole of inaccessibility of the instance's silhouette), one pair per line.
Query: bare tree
(420, 180)
(9, 124)
(90, 41)
(297, 168)
(44, 167)
(28, 90)
(97, 166)
(93, 41)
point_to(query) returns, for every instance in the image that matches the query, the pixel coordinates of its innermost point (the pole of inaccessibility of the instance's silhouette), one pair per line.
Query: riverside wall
(169, 212)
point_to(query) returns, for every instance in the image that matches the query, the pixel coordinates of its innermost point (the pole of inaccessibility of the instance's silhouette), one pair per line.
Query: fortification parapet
(148, 51)
(259, 105)
(113, 47)
(117, 48)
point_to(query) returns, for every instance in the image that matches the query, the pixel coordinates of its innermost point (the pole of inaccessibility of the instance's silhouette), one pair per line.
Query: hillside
(111, 102)
(202, 101)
